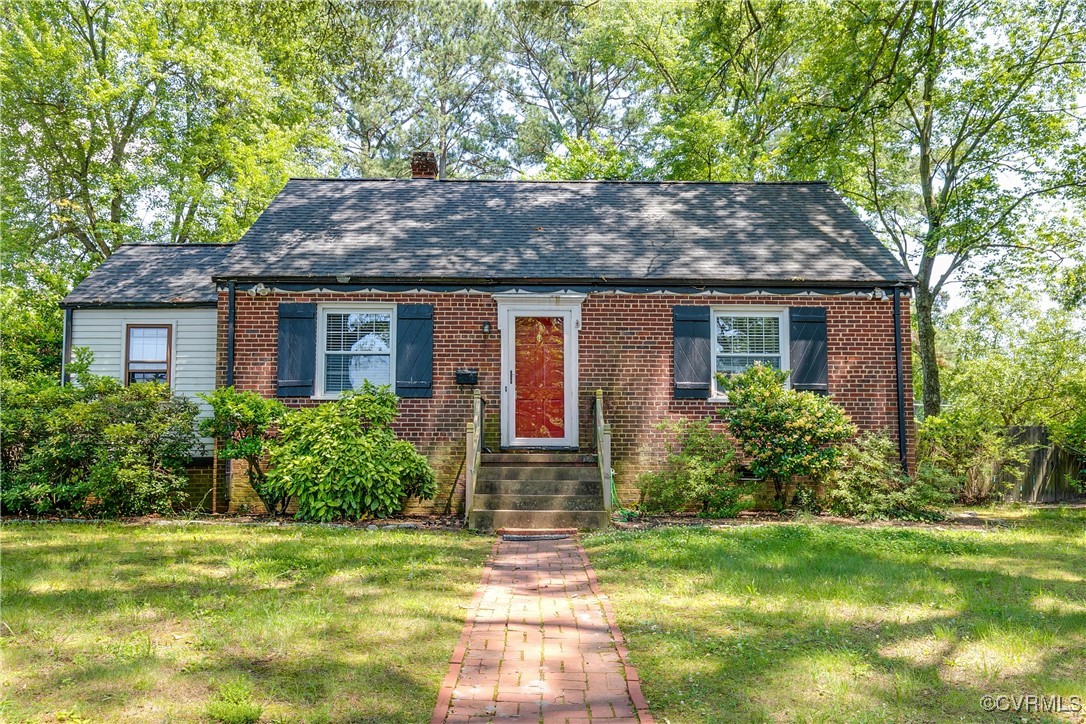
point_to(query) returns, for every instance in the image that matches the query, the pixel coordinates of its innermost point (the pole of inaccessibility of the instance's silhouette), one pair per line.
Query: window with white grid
(356, 345)
(743, 338)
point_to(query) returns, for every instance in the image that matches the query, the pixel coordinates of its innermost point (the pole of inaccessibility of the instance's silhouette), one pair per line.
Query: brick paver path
(540, 644)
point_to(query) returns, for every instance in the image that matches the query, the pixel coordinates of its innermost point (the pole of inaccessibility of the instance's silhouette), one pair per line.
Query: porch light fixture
(486, 327)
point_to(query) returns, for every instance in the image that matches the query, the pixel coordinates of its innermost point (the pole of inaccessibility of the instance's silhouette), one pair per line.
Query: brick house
(539, 298)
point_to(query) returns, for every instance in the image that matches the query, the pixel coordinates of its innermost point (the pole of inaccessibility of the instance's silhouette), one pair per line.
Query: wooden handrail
(603, 448)
(473, 450)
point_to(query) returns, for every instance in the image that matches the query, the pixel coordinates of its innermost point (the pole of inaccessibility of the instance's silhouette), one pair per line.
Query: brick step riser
(538, 487)
(538, 472)
(539, 502)
(489, 520)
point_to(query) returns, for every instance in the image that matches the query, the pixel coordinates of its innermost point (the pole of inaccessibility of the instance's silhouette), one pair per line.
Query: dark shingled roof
(153, 274)
(423, 230)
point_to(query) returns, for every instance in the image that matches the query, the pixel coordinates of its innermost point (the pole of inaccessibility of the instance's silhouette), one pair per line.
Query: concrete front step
(538, 502)
(538, 487)
(538, 472)
(488, 520)
(539, 458)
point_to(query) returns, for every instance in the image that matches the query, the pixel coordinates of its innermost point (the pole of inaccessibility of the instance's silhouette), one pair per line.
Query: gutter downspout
(66, 348)
(230, 314)
(902, 443)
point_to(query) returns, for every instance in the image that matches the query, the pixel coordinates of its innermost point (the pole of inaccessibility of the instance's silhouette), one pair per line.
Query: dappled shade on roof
(521, 230)
(153, 274)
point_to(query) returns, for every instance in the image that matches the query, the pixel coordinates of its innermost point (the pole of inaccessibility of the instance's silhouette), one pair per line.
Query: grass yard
(818, 622)
(198, 622)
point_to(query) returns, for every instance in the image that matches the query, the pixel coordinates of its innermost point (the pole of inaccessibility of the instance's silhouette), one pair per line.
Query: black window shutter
(810, 370)
(693, 353)
(297, 358)
(415, 350)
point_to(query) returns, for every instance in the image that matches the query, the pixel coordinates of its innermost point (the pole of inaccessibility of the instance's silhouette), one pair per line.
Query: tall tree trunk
(929, 364)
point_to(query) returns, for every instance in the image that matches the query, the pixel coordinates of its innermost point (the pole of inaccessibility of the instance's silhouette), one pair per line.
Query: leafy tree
(592, 158)
(429, 78)
(136, 121)
(570, 80)
(783, 433)
(725, 77)
(1008, 358)
(1013, 362)
(244, 423)
(32, 330)
(455, 69)
(956, 130)
(363, 54)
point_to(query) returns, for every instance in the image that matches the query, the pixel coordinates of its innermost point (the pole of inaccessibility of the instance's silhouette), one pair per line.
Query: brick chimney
(423, 165)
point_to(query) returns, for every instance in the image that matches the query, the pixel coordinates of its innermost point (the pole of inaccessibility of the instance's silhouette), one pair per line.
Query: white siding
(192, 357)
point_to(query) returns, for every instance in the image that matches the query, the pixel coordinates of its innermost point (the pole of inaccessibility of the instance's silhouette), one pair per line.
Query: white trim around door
(568, 307)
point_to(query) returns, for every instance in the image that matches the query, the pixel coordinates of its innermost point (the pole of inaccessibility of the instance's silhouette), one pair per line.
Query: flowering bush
(783, 433)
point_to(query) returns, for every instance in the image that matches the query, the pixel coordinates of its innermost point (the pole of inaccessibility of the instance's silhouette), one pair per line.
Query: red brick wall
(625, 350)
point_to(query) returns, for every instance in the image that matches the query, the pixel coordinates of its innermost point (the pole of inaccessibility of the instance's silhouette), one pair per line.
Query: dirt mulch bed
(410, 522)
(746, 518)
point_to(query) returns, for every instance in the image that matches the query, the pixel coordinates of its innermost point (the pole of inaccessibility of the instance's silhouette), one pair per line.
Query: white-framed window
(745, 336)
(355, 343)
(147, 353)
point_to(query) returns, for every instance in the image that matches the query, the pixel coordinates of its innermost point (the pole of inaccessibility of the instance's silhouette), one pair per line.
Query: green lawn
(818, 622)
(176, 623)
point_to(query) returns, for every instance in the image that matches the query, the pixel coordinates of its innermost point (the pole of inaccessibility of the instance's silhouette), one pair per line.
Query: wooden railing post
(603, 449)
(469, 463)
(605, 465)
(473, 450)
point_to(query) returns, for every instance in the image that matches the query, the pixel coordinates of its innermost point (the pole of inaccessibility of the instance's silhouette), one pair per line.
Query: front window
(357, 346)
(743, 338)
(148, 354)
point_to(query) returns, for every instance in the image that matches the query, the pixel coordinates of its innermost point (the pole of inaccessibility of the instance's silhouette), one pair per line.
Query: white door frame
(522, 304)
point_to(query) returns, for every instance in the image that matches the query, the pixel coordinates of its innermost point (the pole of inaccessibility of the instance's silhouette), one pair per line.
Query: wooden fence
(1049, 473)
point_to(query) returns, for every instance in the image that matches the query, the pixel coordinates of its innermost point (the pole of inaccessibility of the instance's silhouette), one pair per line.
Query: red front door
(540, 404)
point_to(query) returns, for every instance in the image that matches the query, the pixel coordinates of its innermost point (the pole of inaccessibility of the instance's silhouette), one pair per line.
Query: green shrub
(700, 472)
(968, 450)
(233, 704)
(782, 433)
(869, 484)
(341, 460)
(806, 499)
(95, 448)
(244, 424)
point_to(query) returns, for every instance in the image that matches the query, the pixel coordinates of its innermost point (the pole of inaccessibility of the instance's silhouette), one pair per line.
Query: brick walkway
(540, 644)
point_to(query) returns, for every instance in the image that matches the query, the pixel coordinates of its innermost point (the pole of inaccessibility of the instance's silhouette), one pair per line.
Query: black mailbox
(467, 377)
